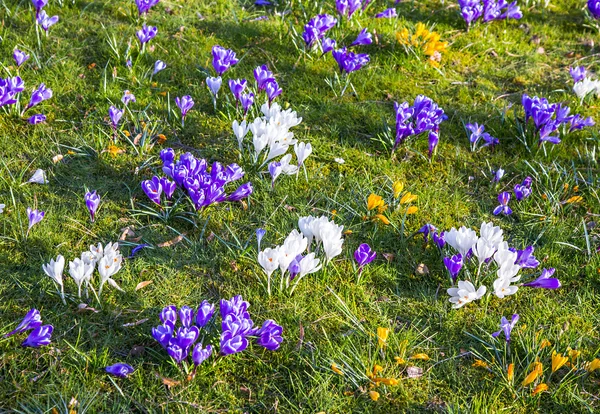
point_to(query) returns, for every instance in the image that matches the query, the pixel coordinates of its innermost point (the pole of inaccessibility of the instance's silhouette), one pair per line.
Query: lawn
(383, 337)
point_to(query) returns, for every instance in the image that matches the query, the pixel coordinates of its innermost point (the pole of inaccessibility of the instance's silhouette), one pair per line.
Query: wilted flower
(38, 177)
(32, 320)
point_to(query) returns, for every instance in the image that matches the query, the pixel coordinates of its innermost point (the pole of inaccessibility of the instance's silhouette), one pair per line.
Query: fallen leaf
(136, 140)
(422, 269)
(414, 372)
(168, 381)
(172, 241)
(136, 323)
(142, 285)
(127, 232)
(389, 257)
(84, 307)
(57, 158)
(290, 208)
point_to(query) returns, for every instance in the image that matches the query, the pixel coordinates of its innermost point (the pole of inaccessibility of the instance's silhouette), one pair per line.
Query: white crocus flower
(240, 131)
(269, 261)
(509, 272)
(492, 234)
(305, 225)
(586, 87)
(80, 271)
(502, 288)
(54, 270)
(108, 266)
(465, 293)
(302, 151)
(504, 257)
(331, 237)
(309, 264)
(286, 167)
(2, 206)
(293, 245)
(462, 239)
(483, 250)
(276, 149)
(38, 177)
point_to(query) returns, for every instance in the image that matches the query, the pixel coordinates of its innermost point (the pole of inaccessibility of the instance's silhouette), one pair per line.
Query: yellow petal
(412, 210)
(374, 395)
(397, 188)
(374, 201)
(540, 388)
(382, 218)
(538, 369)
(424, 357)
(510, 372)
(479, 364)
(387, 381)
(545, 343)
(574, 354)
(335, 369)
(408, 198)
(401, 361)
(574, 199)
(382, 336)
(558, 361)
(593, 365)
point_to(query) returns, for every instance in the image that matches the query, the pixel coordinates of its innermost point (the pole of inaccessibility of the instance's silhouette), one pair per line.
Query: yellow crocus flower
(510, 372)
(593, 365)
(397, 188)
(424, 357)
(408, 198)
(412, 210)
(374, 395)
(558, 361)
(374, 201)
(335, 369)
(538, 369)
(382, 336)
(540, 388)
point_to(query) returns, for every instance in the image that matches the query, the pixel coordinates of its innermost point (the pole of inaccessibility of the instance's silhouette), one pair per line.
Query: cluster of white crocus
(489, 244)
(289, 258)
(271, 135)
(107, 258)
(586, 87)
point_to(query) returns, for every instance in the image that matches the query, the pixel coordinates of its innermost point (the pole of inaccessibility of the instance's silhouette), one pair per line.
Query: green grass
(330, 318)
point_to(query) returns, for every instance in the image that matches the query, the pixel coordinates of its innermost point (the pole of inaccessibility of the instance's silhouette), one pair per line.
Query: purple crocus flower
(168, 187)
(269, 335)
(578, 73)
(594, 8)
(163, 334)
(20, 57)
(438, 239)
(237, 86)
(503, 199)
(32, 320)
(204, 314)
(40, 336)
(275, 169)
(223, 59)
(498, 174)
(136, 249)
(327, 45)
(294, 267)
(177, 352)
(507, 327)
(115, 115)
(46, 21)
(9, 88)
(247, 100)
(199, 354)
(243, 191)
(39, 95)
(214, 84)
(434, 138)
(128, 97)
(523, 190)
(578, 122)
(260, 233)
(36, 119)
(364, 255)
(145, 5)
(425, 230)
(158, 66)
(272, 89)
(525, 258)
(120, 370)
(186, 316)
(317, 27)
(34, 217)
(92, 201)
(146, 33)
(153, 189)
(232, 344)
(168, 315)
(364, 38)
(262, 74)
(185, 103)
(454, 264)
(349, 61)
(545, 281)
(39, 5)
(186, 337)
(387, 14)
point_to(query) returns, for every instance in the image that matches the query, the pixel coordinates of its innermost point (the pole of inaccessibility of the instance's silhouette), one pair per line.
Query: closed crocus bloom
(364, 255)
(578, 73)
(243, 191)
(454, 264)
(269, 335)
(158, 66)
(168, 187)
(38, 177)
(39, 95)
(187, 336)
(302, 150)
(232, 344)
(247, 100)
(80, 271)
(46, 21)
(120, 370)
(223, 59)
(146, 33)
(483, 250)
(387, 14)
(308, 264)
(262, 74)
(594, 8)
(115, 115)
(186, 316)
(153, 189)
(462, 239)
(34, 217)
(40, 336)
(545, 280)
(20, 57)
(237, 86)
(177, 352)
(36, 119)
(55, 269)
(39, 4)
(269, 260)
(32, 320)
(240, 130)
(169, 314)
(433, 141)
(204, 314)
(163, 334)
(558, 360)
(214, 84)
(200, 354)
(363, 38)
(272, 89)
(92, 201)
(275, 170)
(327, 45)
(185, 103)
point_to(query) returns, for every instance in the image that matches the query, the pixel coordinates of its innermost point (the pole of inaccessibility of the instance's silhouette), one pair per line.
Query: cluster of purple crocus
(40, 335)
(192, 175)
(11, 87)
(346, 8)
(478, 135)
(316, 28)
(236, 328)
(429, 230)
(548, 117)
(522, 191)
(223, 59)
(41, 17)
(144, 6)
(472, 10)
(424, 115)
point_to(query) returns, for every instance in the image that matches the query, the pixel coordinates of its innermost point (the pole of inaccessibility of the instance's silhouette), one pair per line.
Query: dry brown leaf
(57, 158)
(168, 381)
(422, 269)
(290, 208)
(136, 323)
(389, 257)
(136, 140)
(84, 307)
(127, 232)
(142, 285)
(172, 241)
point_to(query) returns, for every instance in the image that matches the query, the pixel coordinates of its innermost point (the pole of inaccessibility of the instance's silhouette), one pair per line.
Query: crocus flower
(260, 233)
(247, 99)
(272, 89)
(498, 174)
(38, 177)
(237, 86)
(302, 151)
(34, 217)
(177, 352)
(232, 344)
(163, 334)
(545, 281)
(507, 327)
(262, 74)
(204, 314)
(92, 201)
(578, 73)
(146, 33)
(214, 84)
(327, 45)
(32, 320)
(363, 38)
(454, 264)
(20, 57)
(387, 14)
(525, 258)
(40, 336)
(269, 335)
(185, 103)
(39, 95)
(317, 27)
(36, 119)
(46, 21)
(438, 239)
(168, 315)
(465, 293)
(349, 61)
(153, 189)
(275, 170)
(186, 316)
(158, 66)
(364, 255)
(39, 5)
(434, 138)
(120, 370)
(145, 5)
(223, 59)
(200, 354)
(503, 199)
(127, 97)
(168, 187)
(594, 8)
(115, 115)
